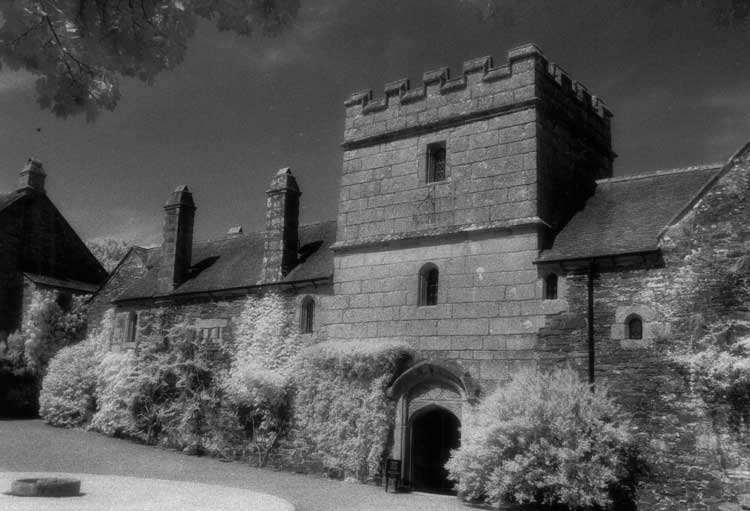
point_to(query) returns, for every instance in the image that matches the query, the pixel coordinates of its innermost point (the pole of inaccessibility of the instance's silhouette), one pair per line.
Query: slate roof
(75, 285)
(236, 262)
(626, 214)
(6, 199)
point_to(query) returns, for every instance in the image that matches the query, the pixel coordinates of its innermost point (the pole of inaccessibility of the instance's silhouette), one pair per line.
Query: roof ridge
(662, 172)
(251, 233)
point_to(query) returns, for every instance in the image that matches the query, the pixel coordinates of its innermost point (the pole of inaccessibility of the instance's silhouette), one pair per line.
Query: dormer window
(436, 162)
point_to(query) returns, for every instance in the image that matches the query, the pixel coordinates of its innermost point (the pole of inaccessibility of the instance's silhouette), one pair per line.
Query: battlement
(481, 88)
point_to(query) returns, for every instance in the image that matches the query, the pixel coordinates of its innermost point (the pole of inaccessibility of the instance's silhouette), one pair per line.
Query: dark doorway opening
(433, 434)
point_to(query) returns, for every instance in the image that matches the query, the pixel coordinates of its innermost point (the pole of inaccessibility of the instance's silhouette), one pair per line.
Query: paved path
(27, 446)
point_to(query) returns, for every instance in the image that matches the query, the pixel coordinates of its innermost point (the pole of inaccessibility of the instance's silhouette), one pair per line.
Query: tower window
(307, 315)
(634, 326)
(428, 285)
(436, 162)
(550, 287)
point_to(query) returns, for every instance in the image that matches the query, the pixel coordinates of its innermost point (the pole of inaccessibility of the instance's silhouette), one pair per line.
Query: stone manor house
(479, 221)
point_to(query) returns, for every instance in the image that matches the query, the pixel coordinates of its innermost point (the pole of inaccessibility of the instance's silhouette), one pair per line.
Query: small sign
(392, 471)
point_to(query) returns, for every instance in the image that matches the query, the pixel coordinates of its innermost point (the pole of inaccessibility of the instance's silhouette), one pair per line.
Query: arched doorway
(434, 432)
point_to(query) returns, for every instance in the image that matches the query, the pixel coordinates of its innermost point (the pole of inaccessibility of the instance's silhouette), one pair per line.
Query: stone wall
(489, 306)
(695, 458)
(207, 312)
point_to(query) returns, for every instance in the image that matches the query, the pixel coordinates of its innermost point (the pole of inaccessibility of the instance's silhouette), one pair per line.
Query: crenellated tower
(518, 143)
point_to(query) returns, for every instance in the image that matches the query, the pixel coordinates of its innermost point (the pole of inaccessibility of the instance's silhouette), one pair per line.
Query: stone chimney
(177, 247)
(281, 242)
(32, 176)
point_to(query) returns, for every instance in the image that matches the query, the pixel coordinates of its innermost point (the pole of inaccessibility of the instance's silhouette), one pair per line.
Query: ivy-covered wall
(695, 300)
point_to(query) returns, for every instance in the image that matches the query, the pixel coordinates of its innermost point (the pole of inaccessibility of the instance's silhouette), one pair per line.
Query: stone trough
(46, 487)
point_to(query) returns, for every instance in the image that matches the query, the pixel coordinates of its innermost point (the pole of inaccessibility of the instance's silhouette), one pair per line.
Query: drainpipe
(592, 352)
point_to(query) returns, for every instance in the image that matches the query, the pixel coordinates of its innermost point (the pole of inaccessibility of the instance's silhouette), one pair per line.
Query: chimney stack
(32, 176)
(177, 246)
(281, 242)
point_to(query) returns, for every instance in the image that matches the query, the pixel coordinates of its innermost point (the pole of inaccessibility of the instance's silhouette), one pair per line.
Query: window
(132, 327)
(634, 327)
(550, 287)
(307, 315)
(436, 162)
(428, 285)
(211, 334)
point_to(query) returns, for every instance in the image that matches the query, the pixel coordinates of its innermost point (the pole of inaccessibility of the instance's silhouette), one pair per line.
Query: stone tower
(448, 193)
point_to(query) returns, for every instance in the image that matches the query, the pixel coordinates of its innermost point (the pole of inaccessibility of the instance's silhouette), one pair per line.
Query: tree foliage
(80, 48)
(109, 251)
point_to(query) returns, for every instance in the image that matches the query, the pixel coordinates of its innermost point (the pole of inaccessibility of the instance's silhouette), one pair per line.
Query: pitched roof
(6, 199)
(626, 214)
(73, 285)
(236, 262)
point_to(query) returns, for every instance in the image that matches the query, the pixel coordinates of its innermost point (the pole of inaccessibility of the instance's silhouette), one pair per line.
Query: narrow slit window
(428, 285)
(550, 287)
(436, 162)
(132, 327)
(307, 315)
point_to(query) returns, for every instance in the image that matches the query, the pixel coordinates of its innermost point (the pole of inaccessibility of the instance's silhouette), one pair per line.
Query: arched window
(428, 285)
(550, 287)
(307, 315)
(634, 327)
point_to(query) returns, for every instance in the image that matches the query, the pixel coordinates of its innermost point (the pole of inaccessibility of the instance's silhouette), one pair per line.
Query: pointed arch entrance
(433, 432)
(431, 396)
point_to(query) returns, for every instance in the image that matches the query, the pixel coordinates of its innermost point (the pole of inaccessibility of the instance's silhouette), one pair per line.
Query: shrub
(545, 439)
(116, 384)
(260, 399)
(341, 412)
(68, 390)
(166, 392)
(47, 328)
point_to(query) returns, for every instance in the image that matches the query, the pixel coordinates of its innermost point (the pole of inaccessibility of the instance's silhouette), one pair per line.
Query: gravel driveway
(31, 445)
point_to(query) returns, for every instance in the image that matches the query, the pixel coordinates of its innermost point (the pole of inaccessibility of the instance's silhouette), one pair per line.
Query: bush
(260, 398)
(68, 390)
(167, 392)
(545, 439)
(116, 385)
(341, 413)
(47, 328)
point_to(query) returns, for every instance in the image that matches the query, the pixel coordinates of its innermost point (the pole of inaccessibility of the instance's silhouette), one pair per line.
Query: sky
(237, 109)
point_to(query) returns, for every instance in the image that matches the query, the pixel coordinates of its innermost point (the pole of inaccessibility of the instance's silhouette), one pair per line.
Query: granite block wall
(489, 308)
